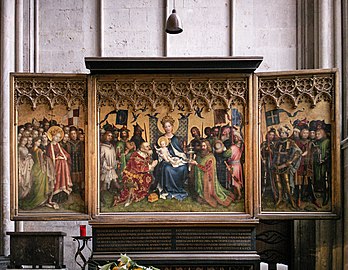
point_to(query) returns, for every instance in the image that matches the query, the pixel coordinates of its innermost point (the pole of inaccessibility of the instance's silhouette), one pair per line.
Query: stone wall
(67, 31)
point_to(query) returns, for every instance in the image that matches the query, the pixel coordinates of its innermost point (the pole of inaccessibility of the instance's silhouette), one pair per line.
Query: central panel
(173, 143)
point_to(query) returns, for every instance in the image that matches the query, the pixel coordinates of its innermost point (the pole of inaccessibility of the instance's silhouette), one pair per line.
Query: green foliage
(125, 263)
(173, 205)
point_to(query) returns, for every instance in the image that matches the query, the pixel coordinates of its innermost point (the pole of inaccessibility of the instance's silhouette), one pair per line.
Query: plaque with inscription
(179, 247)
(156, 239)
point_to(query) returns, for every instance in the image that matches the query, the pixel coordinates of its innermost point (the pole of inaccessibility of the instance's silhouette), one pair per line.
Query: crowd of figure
(296, 166)
(50, 163)
(207, 169)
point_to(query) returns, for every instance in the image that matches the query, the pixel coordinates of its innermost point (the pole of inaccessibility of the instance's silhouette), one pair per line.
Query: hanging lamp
(174, 24)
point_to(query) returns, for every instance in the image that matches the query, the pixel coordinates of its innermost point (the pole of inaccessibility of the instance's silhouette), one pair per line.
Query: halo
(162, 138)
(52, 131)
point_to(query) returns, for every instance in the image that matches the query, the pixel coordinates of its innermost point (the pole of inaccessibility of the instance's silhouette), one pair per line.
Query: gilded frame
(39, 104)
(292, 106)
(143, 90)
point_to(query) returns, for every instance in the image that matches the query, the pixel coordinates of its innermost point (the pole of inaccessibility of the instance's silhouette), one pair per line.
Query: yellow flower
(125, 263)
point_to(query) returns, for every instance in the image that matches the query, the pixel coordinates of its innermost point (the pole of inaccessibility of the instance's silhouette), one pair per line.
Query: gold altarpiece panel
(49, 123)
(298, 145)
(181, 144)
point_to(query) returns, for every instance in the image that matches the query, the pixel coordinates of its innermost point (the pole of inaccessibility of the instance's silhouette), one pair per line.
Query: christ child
(163, 153)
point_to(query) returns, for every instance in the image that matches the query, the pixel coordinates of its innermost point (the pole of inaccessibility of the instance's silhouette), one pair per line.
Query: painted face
(225, 131)
(26, 133)
(194, 132)
(207, 131)
(73, 135)
(109, 137)
(296, 134)
(65, 138)
(304, 133)
(35, 133)
(81, 137)
(46, 126)
(37, 143)
(44, 138)
(204, 146)
(237, 139)
(24, 141)
(57, 137)
(215, 132)
(30, 141)
(271, 136)
(283, 135)
(146, 148)
(163, 144)
(138, 132)
(124, 134)
(319, 134)
(168, 128)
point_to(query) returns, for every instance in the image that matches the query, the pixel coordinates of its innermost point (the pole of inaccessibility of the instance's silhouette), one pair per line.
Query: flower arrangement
(125, 263)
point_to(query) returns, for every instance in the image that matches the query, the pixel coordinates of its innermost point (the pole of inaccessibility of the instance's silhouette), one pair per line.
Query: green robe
(42, 186)
(207, 185)
(122, 157)
(322, 163)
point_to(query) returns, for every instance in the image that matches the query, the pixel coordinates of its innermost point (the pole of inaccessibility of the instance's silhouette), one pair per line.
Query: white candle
(281, 266)
(263, 266)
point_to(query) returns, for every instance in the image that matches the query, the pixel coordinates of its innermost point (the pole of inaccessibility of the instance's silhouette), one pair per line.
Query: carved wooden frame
(174, 90)
(49, 91)
(292, 90)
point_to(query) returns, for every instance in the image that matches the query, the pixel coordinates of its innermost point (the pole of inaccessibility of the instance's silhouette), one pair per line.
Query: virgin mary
(171, 179)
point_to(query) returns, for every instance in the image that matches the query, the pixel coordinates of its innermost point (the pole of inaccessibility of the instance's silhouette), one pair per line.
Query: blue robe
(172, 179)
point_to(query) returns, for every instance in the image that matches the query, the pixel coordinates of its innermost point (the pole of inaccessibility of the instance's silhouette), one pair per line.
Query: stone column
(7, 65)
(19, 66)
(305, 34)
(324, 34)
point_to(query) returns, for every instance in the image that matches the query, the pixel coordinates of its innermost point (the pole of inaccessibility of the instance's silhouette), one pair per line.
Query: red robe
(236, 179)
(136, 179)
(62, 163)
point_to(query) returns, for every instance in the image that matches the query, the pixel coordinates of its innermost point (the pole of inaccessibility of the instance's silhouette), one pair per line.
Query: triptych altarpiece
(158, 146)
